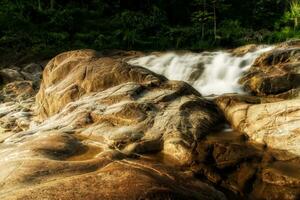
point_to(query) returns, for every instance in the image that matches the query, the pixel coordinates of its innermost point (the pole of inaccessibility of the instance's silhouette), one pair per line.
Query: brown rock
(99, 119)
(113, 180)
(274, 124)
(9, 75)
(240, 51)
(274, 72)
(18, 90)
(72, 74)
(282, 174)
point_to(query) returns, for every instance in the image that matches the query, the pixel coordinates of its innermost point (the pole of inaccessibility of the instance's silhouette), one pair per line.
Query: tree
(295, 12)
(203, 15)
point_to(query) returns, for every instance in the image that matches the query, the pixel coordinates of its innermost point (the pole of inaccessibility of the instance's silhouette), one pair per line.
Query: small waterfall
(211, 73)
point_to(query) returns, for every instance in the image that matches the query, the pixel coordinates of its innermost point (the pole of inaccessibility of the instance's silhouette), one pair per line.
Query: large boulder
(107, 130)
(276, 71)
(70, 75)
(128, 107)
(263, 156)
(275, 124)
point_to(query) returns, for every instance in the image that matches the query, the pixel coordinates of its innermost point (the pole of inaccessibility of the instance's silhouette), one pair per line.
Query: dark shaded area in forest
(37, 28)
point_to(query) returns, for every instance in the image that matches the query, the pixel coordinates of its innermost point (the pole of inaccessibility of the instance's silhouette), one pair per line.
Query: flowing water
(211, 73)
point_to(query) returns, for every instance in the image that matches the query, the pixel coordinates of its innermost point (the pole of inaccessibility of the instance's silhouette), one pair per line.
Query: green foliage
(232, 32)
(44, 28)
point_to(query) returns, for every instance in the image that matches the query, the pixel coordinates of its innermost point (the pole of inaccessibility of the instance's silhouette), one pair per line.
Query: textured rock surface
(251, 171)
(73, 74)
(240, 51)
(96, 121)
(276, 124)
(268, 155)
(128, 107)
(276, 71)
(102, 129)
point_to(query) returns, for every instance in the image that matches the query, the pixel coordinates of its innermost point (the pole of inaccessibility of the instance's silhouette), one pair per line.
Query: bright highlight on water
(211, 73)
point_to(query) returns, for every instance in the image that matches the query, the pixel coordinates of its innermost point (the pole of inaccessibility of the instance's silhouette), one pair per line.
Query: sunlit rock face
(274, 118)
(17, 98)
(70, 75)
(100, 128)
(275, 124)
(95, 123)
(276, 71)
(128, 108)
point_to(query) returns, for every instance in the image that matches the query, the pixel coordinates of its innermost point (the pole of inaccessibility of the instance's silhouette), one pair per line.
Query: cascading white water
(211, 73)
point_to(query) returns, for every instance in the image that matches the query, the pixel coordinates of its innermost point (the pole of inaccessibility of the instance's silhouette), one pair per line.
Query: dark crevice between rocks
(236, 166)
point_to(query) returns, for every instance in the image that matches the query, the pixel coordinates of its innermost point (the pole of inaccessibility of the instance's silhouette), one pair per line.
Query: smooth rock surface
(275, 124)
(95, 122)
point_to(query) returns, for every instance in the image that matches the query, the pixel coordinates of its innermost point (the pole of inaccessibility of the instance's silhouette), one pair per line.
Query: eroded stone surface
(102, 129)
(251, 171)
(95, 119)
(275, 124)
(276, 71)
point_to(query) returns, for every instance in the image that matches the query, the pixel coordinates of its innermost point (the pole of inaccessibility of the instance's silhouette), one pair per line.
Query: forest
(43, 28)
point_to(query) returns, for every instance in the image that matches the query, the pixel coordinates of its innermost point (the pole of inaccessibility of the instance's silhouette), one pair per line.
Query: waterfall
(211, 73)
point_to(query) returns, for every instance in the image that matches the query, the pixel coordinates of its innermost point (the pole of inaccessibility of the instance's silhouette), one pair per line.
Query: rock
(31, 72)
(289, 43)
(33, 68)
(228, 155)
(240, 51)
(16, 116)
(282, 174)
(276, 124)
(16, 108)
(246, 169)
(105, 179)
(96, 121)
(9, 75)
(269, 191)
(139, 110)
(18, 90)
(70, 75)
(274, 72)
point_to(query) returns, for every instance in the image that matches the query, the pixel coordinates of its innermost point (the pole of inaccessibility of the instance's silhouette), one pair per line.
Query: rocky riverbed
(89, 125)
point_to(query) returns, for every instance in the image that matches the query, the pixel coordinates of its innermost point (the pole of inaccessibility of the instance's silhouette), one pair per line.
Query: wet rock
(274, 72)
(240, 51)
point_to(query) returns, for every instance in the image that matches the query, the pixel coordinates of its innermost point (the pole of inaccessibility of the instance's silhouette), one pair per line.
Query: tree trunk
(295, 23)
(215, 21)
(39, 5)
(51, 4)
(203, 22)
